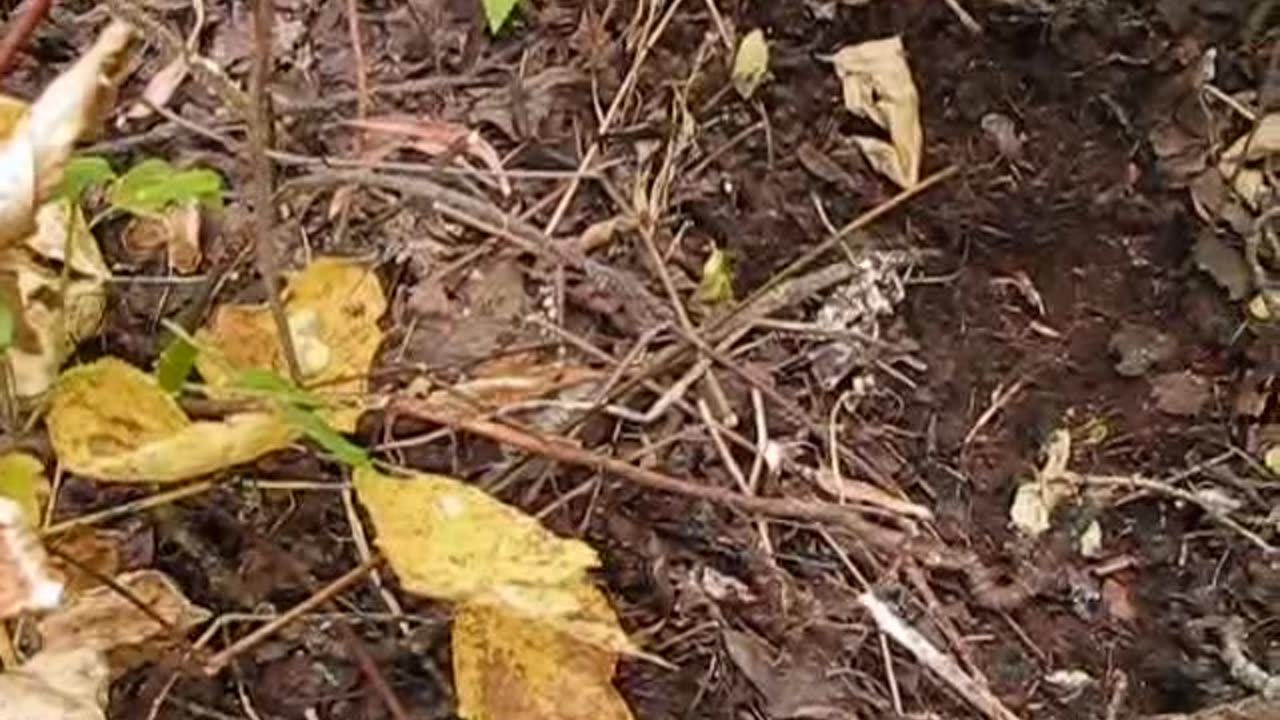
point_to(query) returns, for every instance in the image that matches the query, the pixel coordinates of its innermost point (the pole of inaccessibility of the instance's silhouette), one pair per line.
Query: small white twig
(931, 657)
(964, 17)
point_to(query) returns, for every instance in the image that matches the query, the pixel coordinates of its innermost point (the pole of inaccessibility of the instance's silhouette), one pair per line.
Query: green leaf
(277, 387)
(716, 285)
(498, 12)
(7, 325)
(153, 185)
(82, 173)
(326, 437)
(175, 364)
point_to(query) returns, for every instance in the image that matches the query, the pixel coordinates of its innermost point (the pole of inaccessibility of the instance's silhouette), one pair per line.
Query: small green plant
(299, 408)
(498, 12)
(146, 189)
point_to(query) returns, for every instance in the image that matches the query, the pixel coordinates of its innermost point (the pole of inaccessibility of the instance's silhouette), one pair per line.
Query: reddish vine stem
(33, 11)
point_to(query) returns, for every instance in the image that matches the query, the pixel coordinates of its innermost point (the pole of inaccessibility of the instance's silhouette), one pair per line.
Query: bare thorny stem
(263, 207)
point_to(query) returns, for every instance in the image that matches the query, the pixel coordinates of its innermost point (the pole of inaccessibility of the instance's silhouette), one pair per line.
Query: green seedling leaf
(326, 437)
(6, 326)
(277, 387)
(751, 64)
(83, 173)
(716, 285)
(498, 12)
(175, 364)
(153, 185)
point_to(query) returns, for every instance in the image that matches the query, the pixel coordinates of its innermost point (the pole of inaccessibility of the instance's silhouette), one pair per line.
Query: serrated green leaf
(751, 64)
(716, 285)
(153, 185)
(498, 12)
(175, 364)
(315, 428)
(82, 173)
(7, 325)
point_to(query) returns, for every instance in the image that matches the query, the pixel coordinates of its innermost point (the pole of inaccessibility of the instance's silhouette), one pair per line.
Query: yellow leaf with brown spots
(111, 421)
(333, 307)
(507, 667)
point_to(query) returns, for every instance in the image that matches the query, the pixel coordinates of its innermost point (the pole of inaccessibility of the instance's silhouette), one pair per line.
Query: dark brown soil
(1083, 215)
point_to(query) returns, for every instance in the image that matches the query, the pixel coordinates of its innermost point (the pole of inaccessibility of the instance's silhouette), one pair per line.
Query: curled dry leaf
(877, 85)
(104, 619)
(25, 580)
(506, 667)
(32, 158)
(1035, 500)
(333, 308)
(451, 541)
(48, 323)
(110, 421)
(176, 232)
(56, 685)
(751, 63)
(1261, 141)
(439, 138)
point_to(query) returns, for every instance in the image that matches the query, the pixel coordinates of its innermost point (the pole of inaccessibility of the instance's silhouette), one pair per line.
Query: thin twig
(260, 130)
(219, 661)
(931, 657)
(33, 11)
(130, 508)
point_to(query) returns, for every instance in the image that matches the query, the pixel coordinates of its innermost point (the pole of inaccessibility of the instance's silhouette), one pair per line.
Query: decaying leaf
(176, 232)
(60, 226)
(93, 553)
(451, 541)
(104, 619)
(333, 308)
(439, 138)
(48, 324)
(22, 480)
(58, 685)
(32, 158)
(751, 63)
(1035, 500)
(1255, 144)
(111, 421)
(1180, 393)
(791, 686)
(877, 85)
(25, 580)
(716, 285)
(507, 667)
(1225, 264)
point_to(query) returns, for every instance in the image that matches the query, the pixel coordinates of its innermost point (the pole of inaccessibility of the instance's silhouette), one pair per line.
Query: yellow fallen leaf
(48, 325)
(450, 541)
(877, 85)
(333, 308)
(506, 667)
(751, 63)
(716, 285)
(109, 420)
(59, 685)
(22, 481)
(41, 141)
(104, 619)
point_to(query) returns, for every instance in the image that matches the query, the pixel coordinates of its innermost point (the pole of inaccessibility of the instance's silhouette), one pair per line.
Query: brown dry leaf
(439, 138)
(160, 88)
(452, 541)
(507, 667)
(56, 685)
(175, 232)
(110, 421)
(48, 325)
(1180, 393)
(791, 687)
(520, 109)
(103, 619)
(96, 553)
(31, 160)
(877, 85)
(26, 582)
(333, 307)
